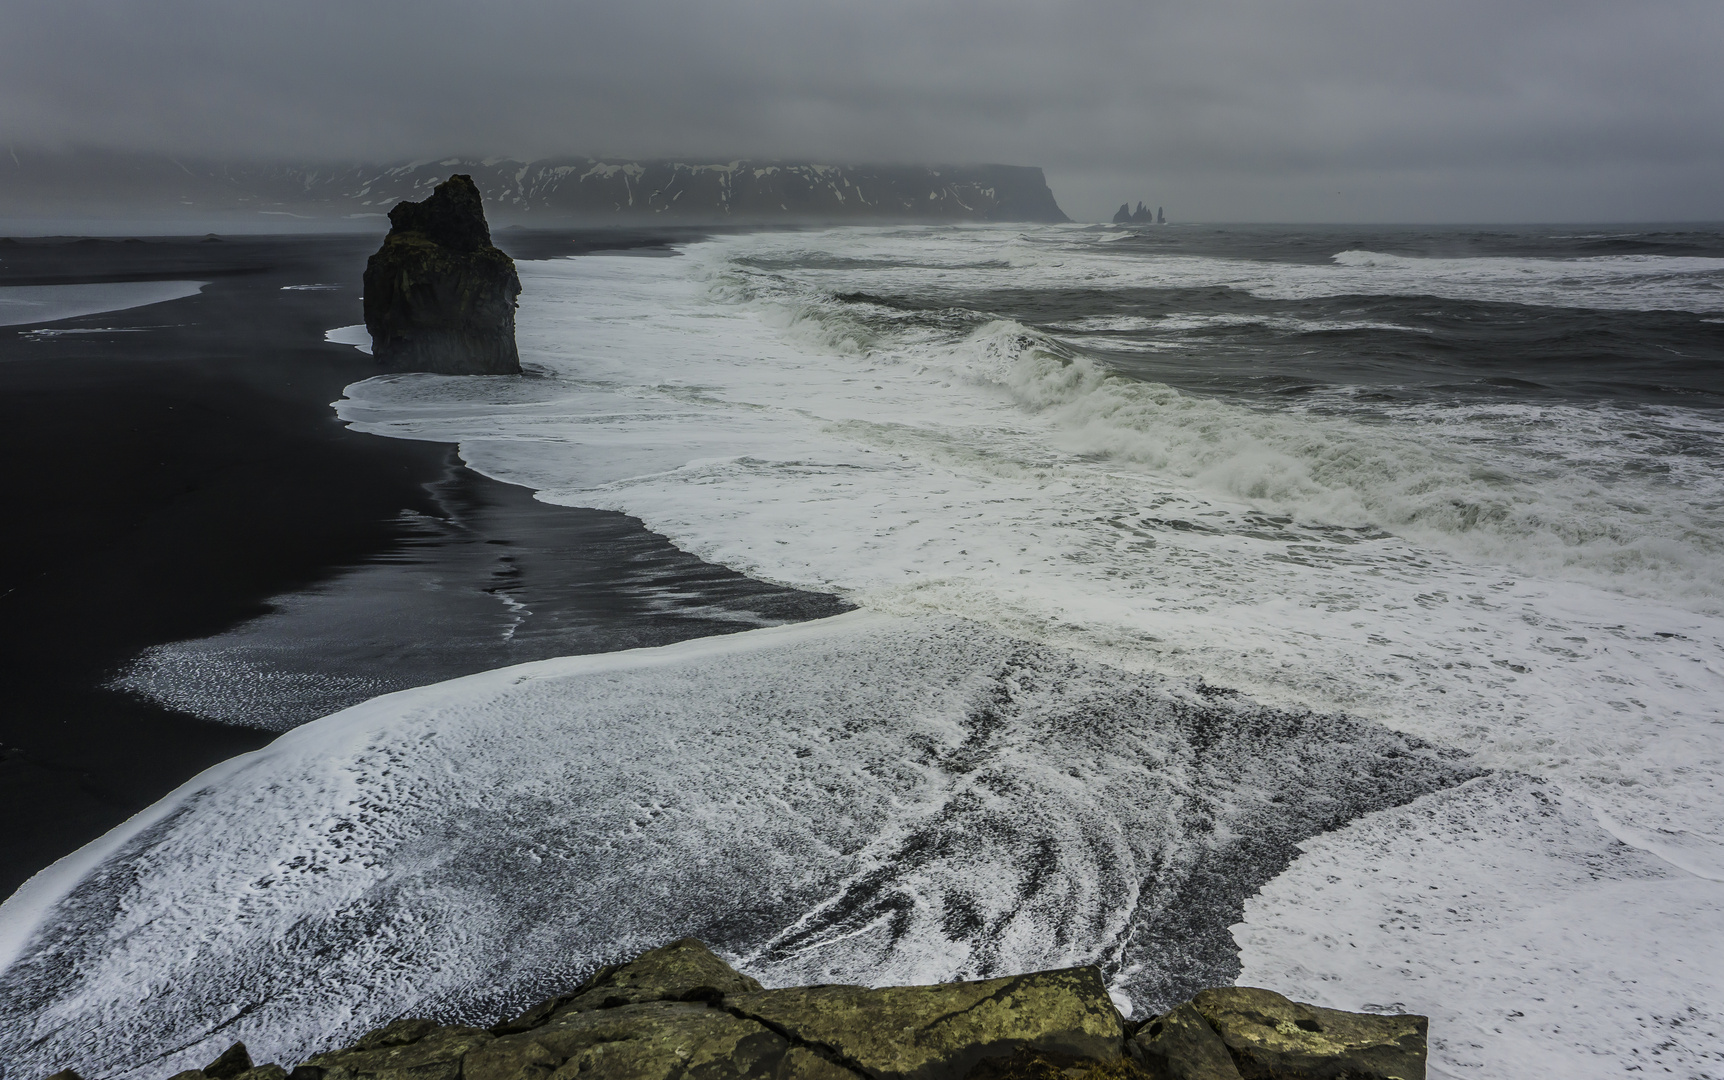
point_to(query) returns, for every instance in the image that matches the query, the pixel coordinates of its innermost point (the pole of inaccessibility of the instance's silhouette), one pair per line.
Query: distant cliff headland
(574, 189)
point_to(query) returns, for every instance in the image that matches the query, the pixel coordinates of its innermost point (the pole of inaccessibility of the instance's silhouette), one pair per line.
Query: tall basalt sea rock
(439, 297)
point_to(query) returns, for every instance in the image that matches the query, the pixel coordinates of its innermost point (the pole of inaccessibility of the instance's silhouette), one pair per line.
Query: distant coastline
(550, 190)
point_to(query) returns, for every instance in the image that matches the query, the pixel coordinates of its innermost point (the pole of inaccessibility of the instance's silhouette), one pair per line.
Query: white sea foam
(21, 304)
(1000, 481)
(1182, 323)
(46, 332)
(1522, 581)
(1538, 945)
(957, 262)
(355, 335)
(1527, 583)
(863, 797)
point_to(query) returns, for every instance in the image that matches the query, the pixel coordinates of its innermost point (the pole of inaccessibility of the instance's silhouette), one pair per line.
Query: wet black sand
(166, 483)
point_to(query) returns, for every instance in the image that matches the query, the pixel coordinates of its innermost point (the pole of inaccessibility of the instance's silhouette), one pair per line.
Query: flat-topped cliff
(576, 189)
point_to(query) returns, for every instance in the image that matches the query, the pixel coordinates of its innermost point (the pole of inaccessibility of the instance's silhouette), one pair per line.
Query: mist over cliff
(552, 189)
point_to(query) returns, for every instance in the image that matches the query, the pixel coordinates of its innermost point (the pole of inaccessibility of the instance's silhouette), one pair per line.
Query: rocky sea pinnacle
(439, 297)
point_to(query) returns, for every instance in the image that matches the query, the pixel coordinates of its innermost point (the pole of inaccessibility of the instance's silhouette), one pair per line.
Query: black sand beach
(180, 466)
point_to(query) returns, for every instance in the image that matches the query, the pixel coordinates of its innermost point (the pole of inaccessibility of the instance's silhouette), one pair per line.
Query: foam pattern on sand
(867, 796)
(1538, 943)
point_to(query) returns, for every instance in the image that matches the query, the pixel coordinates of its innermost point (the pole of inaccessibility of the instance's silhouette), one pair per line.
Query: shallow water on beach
(491, 578)
(23, 304)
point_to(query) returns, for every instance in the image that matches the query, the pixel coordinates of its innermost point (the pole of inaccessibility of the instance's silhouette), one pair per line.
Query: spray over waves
(812, 426)
(1612, 282)
(960, 263)
(1604, 496)
(1506, 484)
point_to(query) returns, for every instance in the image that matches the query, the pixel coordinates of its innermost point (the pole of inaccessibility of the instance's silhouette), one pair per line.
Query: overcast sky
(1337, 110)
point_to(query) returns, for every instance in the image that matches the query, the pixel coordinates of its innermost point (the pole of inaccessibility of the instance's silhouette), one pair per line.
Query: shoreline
(187, 471)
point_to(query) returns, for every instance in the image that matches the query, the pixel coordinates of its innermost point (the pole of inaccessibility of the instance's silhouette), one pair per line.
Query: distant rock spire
(1143, 215)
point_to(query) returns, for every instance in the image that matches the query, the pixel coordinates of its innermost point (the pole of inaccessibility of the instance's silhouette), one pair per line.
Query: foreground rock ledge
(680, 1013)
(438, 296)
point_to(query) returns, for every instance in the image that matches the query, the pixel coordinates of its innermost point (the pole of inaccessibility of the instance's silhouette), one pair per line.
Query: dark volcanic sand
(166, 483)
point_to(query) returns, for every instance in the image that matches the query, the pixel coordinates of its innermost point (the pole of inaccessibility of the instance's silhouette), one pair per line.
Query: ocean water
(1338, 611)
(21, 304)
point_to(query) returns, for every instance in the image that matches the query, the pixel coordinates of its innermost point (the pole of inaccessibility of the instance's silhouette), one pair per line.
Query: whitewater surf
(1338, 614)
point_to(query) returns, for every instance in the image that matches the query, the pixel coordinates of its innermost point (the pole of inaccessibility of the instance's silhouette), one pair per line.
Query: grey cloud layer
(1228, 109)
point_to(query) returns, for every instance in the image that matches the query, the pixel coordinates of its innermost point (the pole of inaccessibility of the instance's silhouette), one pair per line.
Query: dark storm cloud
(1225, 109)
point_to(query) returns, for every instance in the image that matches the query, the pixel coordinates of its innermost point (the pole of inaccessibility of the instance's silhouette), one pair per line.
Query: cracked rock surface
(922, 1032)
(1270, 1036)
(679, 1012)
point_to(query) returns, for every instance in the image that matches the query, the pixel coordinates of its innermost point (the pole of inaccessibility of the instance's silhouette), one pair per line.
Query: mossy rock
(1181, 1045)
(684, 970)
(655, 1040)
(405, 1050)
(942, 1032)
(1272, 1038)
(679, 1012)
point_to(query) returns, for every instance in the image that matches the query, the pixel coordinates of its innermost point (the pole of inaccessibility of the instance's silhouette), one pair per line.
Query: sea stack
(1143, 215)
(438, 296)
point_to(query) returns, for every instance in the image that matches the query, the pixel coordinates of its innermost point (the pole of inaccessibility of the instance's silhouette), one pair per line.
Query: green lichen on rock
(1181, 1045)
(405, 1050)
(930, 1032)
(439, 297)
(1272, 1037)
(684, 970)
(679, 1012)
(650, 1040)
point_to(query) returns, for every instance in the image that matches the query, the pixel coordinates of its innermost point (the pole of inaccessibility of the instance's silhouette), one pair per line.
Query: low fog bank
(1239, 110)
